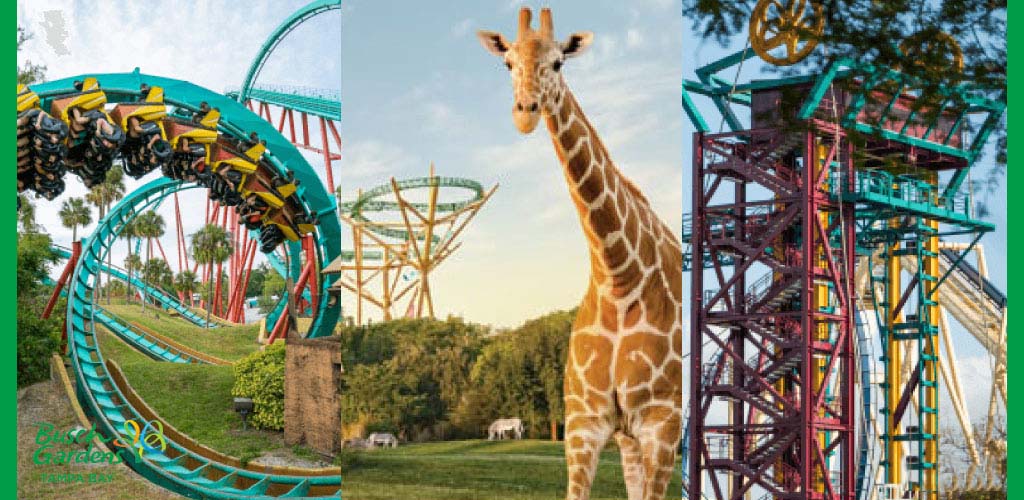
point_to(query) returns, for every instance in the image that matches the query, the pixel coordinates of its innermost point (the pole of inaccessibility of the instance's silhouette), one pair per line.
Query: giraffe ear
(577, 43)
(494, 42)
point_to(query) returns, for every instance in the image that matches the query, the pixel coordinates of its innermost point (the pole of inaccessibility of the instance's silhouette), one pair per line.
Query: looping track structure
(418, 237)
(370, 201)
(180, 468)
(305, 13)
(238, 123)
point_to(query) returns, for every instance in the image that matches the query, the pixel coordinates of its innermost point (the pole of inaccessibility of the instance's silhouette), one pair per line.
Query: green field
(474, 470)
(226, 342)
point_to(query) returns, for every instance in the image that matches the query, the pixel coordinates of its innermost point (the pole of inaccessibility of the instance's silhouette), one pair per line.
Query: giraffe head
(535, 60)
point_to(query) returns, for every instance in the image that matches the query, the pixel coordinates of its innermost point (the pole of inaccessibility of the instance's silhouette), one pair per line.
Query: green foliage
(28, 72)
(210, 291)
(428, 379)
(156, 272)
(256, 278)
(520, 374)
(185, 282)
(73, 214)
(132, 263)
(407, 376)
(116, 288)
(211, 245)
(37, 337)
(26, 214)
(273, 286)
(260, 376)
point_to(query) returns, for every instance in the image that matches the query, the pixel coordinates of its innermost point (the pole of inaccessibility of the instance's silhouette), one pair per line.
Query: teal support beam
(693, 113)
(821, 85)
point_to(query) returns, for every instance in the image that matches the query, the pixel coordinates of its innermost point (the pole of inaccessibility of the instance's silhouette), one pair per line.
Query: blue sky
(418, 87)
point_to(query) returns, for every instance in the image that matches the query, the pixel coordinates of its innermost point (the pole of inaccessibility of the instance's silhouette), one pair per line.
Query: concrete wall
(312, 404)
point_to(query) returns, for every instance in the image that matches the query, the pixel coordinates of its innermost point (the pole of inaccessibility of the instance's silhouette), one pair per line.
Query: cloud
(633, 38)
(462, 27)
(372, 159)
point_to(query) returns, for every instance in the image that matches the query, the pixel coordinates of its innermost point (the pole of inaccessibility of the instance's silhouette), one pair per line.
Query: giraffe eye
(557, 65)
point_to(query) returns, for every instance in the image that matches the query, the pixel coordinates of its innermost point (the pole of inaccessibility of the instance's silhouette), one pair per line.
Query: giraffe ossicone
(623, 375)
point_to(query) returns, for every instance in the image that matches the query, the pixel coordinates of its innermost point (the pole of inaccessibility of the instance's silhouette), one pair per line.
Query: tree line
(425, 379)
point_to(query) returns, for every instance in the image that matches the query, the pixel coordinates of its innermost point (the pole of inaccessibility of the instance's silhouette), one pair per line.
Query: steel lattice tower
(837, 169)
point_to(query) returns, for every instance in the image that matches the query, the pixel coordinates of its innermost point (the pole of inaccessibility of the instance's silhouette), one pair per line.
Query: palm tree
(132, 262)
(104, 195)
(74, 213)
(127, 233)
(211, 245)
(157, 272)
(149, 225)
(185, 283)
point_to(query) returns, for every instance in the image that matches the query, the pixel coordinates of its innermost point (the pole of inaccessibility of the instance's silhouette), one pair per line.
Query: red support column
(291, 125)
(251, 251)
(160, 247)
(305, 129)
(334, 132)
(280, 124)
(280, 328)
(65, 275)
(179, 234)
(314, 277)
(76, 252)
(328, 164)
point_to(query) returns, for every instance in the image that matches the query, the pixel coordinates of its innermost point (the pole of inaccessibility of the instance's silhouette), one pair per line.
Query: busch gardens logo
(140, 440)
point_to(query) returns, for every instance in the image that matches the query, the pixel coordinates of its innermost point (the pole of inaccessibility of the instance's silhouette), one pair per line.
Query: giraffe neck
(610, 208)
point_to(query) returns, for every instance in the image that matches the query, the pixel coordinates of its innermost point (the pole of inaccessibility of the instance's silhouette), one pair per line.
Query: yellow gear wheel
(922, 45)
(795, 25)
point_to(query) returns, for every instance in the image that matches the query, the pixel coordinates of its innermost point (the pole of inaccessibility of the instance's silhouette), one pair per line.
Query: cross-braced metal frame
(777, 325)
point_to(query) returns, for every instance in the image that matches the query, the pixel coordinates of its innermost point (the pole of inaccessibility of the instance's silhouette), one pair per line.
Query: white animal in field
(383, 439)
(503, 425)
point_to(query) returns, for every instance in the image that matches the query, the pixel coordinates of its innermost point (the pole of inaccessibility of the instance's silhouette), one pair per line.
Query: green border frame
(1014, 271)
(8, 291)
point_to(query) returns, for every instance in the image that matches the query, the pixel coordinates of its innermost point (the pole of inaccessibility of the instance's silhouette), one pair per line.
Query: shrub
(260, 376)
(37, 338)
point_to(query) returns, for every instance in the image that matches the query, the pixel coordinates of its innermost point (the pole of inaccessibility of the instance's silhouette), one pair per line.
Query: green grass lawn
(226, 342)
(195, 399)
(474, 470)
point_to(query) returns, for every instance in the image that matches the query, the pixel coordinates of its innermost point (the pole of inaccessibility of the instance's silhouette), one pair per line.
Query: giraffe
(623, 375)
